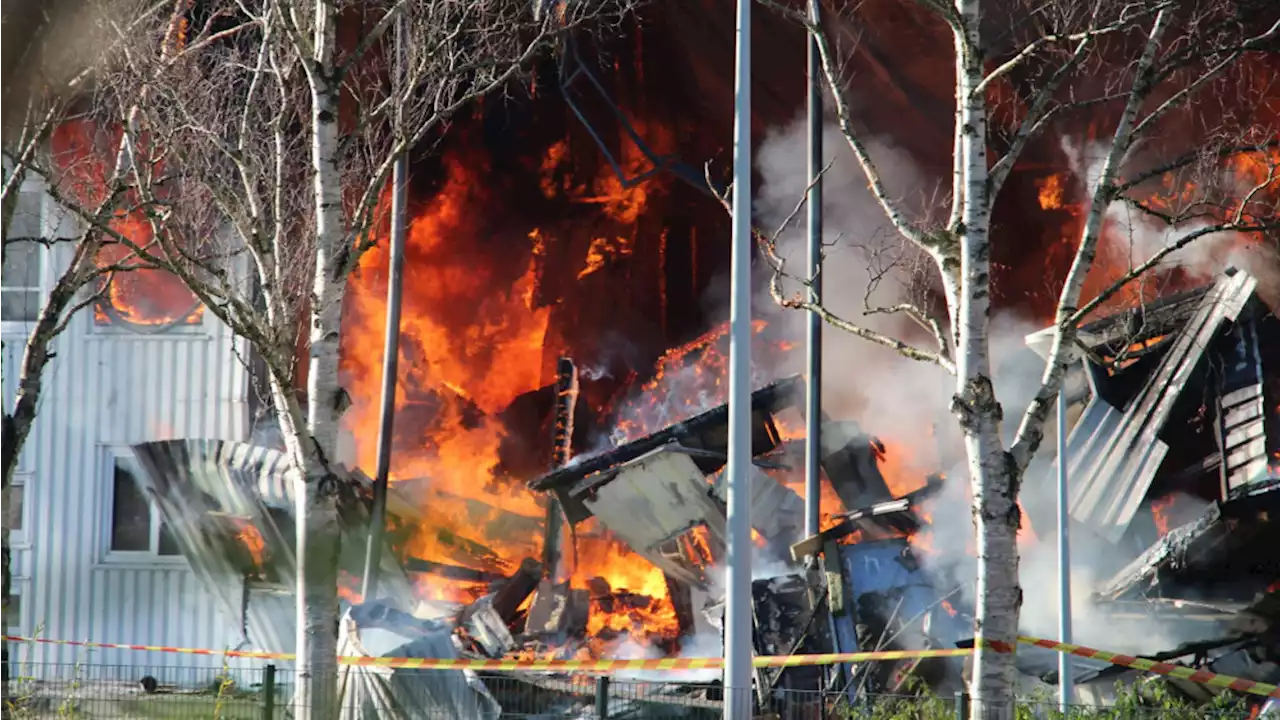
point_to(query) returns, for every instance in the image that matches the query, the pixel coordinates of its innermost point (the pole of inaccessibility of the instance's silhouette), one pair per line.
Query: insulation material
(382, 693)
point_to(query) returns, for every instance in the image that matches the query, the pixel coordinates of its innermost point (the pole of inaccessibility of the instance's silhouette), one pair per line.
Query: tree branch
(769, 249)
(1031, 427)
(1030, 125)
(934, 244)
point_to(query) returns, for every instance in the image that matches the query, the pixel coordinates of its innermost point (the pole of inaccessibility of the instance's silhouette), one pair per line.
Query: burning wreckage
(1173, 455)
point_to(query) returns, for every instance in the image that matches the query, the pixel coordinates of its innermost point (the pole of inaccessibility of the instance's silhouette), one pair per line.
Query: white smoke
(888, 395)
(907, 402)
(1134, 236)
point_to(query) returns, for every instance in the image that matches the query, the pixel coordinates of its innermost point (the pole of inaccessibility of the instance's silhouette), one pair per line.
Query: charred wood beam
(897, 515)
(561, 449)
(724, 457)
(1172, 551)
(681, 594)
(1143, 322)
(765, 401)
(453, 572)
(508, 598)
(853, 467)
(1191, 472)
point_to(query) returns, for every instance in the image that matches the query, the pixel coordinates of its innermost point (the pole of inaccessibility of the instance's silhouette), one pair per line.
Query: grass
(190, 706)
(1149, 699)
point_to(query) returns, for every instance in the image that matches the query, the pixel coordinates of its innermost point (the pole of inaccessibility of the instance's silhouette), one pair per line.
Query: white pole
(1065, 687)
(813, 327)
(737, 620)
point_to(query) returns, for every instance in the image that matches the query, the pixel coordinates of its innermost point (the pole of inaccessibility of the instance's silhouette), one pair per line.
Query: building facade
(91, 557)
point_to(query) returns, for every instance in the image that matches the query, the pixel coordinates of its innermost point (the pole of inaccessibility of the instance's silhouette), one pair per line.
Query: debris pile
(1173, 458)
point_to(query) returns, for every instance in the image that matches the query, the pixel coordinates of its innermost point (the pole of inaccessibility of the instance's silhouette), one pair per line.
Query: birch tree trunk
(991, 473)
(16, 424)
(318, 543)
(961, 248)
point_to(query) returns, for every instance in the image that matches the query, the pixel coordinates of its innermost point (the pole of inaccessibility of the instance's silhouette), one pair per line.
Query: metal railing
(266, 692)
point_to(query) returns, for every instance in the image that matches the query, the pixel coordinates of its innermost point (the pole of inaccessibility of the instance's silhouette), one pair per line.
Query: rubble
(1178, 399)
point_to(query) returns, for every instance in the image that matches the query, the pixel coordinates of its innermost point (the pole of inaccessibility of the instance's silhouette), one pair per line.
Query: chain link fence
(221, 693)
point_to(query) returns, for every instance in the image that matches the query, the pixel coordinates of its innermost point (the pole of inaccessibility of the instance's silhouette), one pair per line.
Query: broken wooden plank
(516, 589)
(896, 514)
(652, 502)
(453, 572)
(681, 594)
(487, 627)
(548, 613)
(766, 400)
(561, 449)
(851, 466)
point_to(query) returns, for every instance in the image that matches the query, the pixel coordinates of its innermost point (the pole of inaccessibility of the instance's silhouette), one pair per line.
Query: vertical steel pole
(602, 697)
(269, 693)
(737, 621)
(390, 353)
(813, 331)
(1065, 686)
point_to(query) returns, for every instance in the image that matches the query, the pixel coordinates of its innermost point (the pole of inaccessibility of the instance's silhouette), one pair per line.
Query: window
(21, 275)
(15, 509)
(14, 505)
(135, 524)
(13, 611)
(143, 299)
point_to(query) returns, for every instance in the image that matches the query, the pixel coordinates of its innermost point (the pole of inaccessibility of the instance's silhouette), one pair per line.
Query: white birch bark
(318, 543)
(992, 476)
(962, 252)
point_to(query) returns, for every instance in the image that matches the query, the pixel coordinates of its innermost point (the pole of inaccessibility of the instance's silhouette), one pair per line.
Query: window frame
(195, 331)
(23, 326)
(201, 329)
(149, 558)
(20, 587)
(20, 539)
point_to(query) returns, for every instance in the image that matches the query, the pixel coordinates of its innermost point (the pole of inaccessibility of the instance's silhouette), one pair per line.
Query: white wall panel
(112, 388)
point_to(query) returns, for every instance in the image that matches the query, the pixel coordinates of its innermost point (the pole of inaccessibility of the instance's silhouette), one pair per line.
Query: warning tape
(153, 648)
(1202, 677)
(561, 665)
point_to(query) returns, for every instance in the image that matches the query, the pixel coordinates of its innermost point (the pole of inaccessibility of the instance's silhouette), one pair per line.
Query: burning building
(570, 222)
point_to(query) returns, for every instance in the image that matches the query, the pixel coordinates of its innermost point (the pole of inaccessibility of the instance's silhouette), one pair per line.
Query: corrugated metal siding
(1120, 451)
(115, 389)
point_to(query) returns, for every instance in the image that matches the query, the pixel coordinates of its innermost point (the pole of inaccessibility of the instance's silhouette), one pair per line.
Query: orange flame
(1160, 508)
(472, 348)
(83, 154)
(1051, 192)
(252, 541)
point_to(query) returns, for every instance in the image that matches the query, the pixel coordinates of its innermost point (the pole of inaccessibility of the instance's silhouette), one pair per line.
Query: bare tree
(1137, 70)
(269, 149)
(58, 97)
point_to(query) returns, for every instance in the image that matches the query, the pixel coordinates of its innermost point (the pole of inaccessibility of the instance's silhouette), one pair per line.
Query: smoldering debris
(1173, 453)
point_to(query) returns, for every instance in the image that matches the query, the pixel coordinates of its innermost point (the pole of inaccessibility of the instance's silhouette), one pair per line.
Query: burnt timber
(707, 431)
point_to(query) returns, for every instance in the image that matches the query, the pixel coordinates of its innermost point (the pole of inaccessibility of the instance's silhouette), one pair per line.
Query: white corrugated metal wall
(107, 389)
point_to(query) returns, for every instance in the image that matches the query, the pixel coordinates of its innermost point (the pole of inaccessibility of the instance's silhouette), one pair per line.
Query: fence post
(602, 697)
(962, 705)
(269, 692)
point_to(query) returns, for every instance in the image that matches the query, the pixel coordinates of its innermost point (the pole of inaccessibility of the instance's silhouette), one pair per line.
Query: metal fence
(222, 693)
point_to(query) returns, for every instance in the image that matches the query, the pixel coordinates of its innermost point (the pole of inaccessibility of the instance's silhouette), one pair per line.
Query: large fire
(474, 339)
(132, 293)
(502, 279)
(1130, 236)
